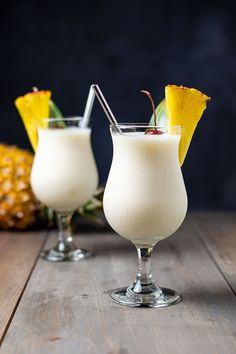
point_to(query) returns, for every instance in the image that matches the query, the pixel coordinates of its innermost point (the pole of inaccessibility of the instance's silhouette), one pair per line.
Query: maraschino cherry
(153, 131)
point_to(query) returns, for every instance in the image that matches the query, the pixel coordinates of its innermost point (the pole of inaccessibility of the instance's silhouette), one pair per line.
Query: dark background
(126, 46)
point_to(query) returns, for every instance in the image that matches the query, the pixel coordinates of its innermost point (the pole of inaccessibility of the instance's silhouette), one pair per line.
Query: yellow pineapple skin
(34, 109)
(185, 107)
(18, 206)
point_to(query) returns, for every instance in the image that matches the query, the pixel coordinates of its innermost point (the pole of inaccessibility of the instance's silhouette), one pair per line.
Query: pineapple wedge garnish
(185, 107)
(34, 108)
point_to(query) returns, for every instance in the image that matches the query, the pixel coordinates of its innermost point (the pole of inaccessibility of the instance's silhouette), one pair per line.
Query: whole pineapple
(19, 209)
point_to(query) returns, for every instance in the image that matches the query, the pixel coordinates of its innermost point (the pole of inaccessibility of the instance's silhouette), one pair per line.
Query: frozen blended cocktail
(64, 177)
(145, 198)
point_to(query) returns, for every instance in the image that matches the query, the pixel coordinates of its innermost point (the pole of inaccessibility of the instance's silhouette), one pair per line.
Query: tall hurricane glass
(145, 201)
(64, 177)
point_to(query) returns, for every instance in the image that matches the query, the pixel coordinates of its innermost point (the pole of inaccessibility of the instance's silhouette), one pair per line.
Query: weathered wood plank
(217, 231)
(66, 309)
(18, 252)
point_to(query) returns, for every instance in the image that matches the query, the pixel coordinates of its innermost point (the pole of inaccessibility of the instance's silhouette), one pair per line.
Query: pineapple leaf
(54, 112)
(161, 114)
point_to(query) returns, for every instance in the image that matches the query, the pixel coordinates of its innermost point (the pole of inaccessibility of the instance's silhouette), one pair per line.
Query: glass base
(67, 253)
(162, 298)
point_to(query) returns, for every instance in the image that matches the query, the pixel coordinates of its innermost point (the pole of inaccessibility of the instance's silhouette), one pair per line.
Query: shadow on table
(218, 301)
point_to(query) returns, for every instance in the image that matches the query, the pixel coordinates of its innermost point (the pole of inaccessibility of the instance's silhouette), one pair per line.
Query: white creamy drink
(64, 174)
(145, 198)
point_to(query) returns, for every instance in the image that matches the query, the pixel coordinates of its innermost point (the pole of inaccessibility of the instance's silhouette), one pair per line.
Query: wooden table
(64, 307)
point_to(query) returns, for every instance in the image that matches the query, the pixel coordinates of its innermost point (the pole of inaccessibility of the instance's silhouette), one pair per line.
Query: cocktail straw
(105, 106)
(88, 108)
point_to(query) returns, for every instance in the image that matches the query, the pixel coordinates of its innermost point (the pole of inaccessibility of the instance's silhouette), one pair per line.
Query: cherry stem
(153, 106)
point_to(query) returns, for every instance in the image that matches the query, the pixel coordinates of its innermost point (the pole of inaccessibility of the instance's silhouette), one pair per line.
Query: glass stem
(144, 282)
(65, 239)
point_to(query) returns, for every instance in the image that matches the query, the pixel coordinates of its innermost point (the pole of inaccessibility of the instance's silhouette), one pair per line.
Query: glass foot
(162, 298)
(74, 255)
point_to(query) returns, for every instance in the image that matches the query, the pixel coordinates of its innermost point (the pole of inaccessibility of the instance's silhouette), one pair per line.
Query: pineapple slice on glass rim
(183, 107)
(33, 108)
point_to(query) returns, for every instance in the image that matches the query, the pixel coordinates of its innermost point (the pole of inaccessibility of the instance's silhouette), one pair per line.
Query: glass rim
(142, 125)
(63, 119)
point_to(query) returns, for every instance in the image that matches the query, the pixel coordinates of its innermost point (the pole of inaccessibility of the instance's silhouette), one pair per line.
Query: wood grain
(18, 253)
(66, 309)
(217, 231)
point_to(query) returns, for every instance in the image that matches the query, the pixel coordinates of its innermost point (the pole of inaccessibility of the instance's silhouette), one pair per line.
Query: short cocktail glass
(145, 201)
(64, 177)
